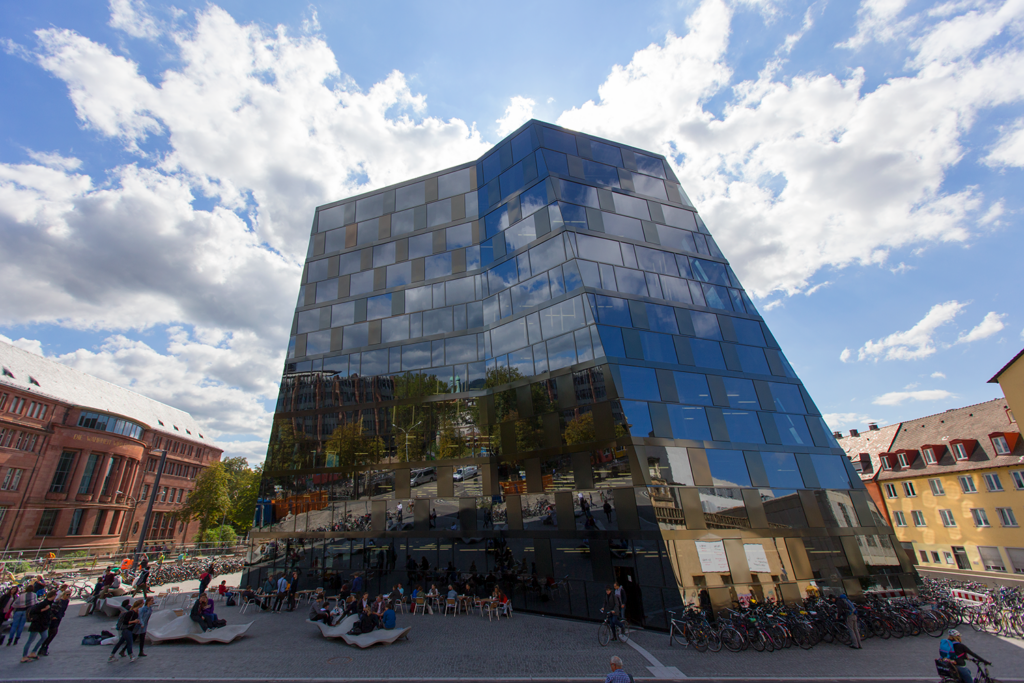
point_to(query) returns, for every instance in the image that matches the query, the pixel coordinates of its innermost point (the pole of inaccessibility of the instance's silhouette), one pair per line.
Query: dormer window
(999, 443)
(959, 451)
(929, 456)
(902, 458)
(1003, 443)
(886, 465)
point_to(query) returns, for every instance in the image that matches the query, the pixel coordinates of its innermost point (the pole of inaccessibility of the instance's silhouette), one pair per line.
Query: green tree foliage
(580, 429)
(209, 502)
(224, 534)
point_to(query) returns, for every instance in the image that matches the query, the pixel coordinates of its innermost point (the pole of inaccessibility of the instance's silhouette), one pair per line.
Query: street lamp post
(152, 499)
(406, 432)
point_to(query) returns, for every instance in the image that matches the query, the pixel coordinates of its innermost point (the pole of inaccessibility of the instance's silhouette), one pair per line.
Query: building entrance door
(961, 557)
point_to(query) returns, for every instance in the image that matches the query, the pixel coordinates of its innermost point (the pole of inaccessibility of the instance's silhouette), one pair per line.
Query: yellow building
(954, 487)
(1011, 380)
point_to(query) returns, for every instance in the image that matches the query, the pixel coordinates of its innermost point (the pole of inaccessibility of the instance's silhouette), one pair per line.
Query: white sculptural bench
(176, 625)
(365, 640)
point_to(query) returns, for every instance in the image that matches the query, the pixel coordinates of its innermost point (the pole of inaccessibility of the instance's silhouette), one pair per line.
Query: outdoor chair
(451, 604)
(420, 604)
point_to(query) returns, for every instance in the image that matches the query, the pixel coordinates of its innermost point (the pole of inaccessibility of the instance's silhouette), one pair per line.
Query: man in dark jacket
(612, 609)
(57, 611)
(293, 586)
(38, 625)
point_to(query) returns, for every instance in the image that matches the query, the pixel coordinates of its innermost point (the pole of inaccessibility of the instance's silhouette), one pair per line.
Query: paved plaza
(469, 647)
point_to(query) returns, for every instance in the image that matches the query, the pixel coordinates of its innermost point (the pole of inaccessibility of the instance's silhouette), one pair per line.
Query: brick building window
(97, 526)
(47, 522)
(145, 492)
(11, 479)
(113, 522)
(75, 527)
(90, 471)
(63, 472)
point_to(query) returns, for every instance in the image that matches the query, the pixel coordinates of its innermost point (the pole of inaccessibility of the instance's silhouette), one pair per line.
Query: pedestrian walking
(293, 586)
(851, 619)
(126, 628)
(145, 612)
(607, 507)
(205, 578)
(38, 624)
(282, 592)
(618, 674)
(23, 601)
(57, 612)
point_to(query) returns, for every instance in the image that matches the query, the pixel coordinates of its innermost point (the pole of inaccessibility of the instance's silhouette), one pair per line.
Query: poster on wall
(712, 557)
(756, 558)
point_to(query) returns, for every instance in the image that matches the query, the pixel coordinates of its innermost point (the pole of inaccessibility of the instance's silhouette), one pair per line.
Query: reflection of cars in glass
(464, 473)
(418, 477)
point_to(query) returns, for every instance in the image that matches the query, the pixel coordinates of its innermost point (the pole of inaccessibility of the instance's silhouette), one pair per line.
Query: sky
(859, 164)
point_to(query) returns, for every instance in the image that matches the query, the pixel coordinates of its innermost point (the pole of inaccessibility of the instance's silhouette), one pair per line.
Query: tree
(244, 493)
(209, 501)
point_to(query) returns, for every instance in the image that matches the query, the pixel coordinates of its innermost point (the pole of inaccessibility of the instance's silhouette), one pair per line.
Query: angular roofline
(995, 377)
(474, 162)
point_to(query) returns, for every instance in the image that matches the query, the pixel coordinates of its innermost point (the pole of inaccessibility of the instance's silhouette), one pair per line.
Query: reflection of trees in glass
(354, 447)
(580, 429)
(288, 450)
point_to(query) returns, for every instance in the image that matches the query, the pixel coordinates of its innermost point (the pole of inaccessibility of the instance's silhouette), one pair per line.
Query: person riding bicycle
(954, 649)
(612, 609)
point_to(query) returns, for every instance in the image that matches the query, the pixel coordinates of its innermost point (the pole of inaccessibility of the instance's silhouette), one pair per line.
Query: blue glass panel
(395, 329)
(370, 207)
(511, 180)
(579, 194)
(717, 297)
(410, 195)
(492, 166)
(606, 154)
(680, 218)
(649, 187)
(374, 363)
(696, 292)
(631, 206)
(473, 258)
(676, 289)
(606, 176)
(705, 325)
(563, 317)
(338, 364)
(793, 430)
(573, 279)
(399, 274)
(559, 141)
(693, 388)
(684, 266)
(359, 283)
(402, 223)
(459, 236)
(367, 231)
(650, 165)
(584, 350)
(502, 276)
(656, 261)
(728, 468)
(309, 321)
(421, 245)
(418, 299)
(638, 417)
(439, 213)
(496, 221)
(707, 354)
(599, 249)
(631, 281)
(437, 321)
(556, 163)
(326, 290)
(453, 183)
(561, 352)
(438, 266)
(557, 283)
(459, 291)
(520, 234)
(316, 270)
(689, 422)
(658, 347)
(548, 254)
(522, 360)
(701, 244)
(343, 314)
(534, 199)
(378, 307)
(831, 471)
(508, 337)
(662, 319)
(491, 311)
(611, 339)
(318, 342)
(787, 398)
(741, 393)
(531, 293)
(613, 311)
(383, 254)
(460, 349)
(355, 336)
(639, 383)
(416, 356)
(743, 426)
(573, 216)
(782, 470)
(676, 238)
(736, 299)
(709, 271)
(748, 332)
(524, 143)
(752, 360)
(622, 226)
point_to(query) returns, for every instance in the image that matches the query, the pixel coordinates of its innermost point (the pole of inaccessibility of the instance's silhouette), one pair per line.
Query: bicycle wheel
(699, 639)
(675, 635)
(604, 634)
(756, 639)
(843, 634)
(932, 626)
(732, 639)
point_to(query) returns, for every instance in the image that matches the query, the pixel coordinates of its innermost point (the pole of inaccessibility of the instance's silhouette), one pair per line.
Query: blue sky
(860, 165)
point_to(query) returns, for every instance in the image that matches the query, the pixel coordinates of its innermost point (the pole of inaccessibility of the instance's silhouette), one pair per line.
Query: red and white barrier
(970, 596)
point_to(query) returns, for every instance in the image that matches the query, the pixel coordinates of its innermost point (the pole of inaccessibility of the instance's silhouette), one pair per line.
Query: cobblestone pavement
(284, 647)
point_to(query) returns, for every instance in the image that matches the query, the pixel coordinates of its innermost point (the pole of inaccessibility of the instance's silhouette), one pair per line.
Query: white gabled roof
(58, 381)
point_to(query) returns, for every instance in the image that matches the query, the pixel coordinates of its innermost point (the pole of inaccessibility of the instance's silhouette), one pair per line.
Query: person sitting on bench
(199, 614)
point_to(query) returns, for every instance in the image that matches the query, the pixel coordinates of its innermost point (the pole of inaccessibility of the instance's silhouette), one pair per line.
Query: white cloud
(1009, 149)
(895, 398)
(989, 325)
(876, 21)
(132, 17)
(839, 421)
(31, 345)
(901, 268)
(852, 182)
(845, 355)
(938, 375)
(915, 343)
(518, 112)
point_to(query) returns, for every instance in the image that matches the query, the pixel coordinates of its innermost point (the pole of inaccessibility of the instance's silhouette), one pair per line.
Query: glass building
(538, 369)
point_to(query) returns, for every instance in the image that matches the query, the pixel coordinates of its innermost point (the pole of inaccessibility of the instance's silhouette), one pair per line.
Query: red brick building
(78, 459)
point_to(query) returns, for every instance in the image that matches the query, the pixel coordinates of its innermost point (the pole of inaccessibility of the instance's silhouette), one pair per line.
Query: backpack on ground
(92, 640)
(230, 602)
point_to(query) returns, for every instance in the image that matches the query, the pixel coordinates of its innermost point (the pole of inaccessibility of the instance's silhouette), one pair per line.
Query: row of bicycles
(769, 627)
(188, 570)
(1002, 613)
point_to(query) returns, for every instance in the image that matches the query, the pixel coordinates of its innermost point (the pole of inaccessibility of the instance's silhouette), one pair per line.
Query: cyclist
(954, 649)
(612, 608)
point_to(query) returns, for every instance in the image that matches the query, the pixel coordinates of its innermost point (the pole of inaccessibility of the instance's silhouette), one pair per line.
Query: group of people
(37, 608)
(131, 627)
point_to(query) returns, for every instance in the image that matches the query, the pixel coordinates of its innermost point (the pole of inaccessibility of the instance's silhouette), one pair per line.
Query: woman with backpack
(38, 625)
(125, 624)
(57, 611)
(145, 612)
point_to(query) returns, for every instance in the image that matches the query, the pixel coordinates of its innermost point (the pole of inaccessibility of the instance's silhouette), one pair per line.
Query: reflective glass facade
(540, 368)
